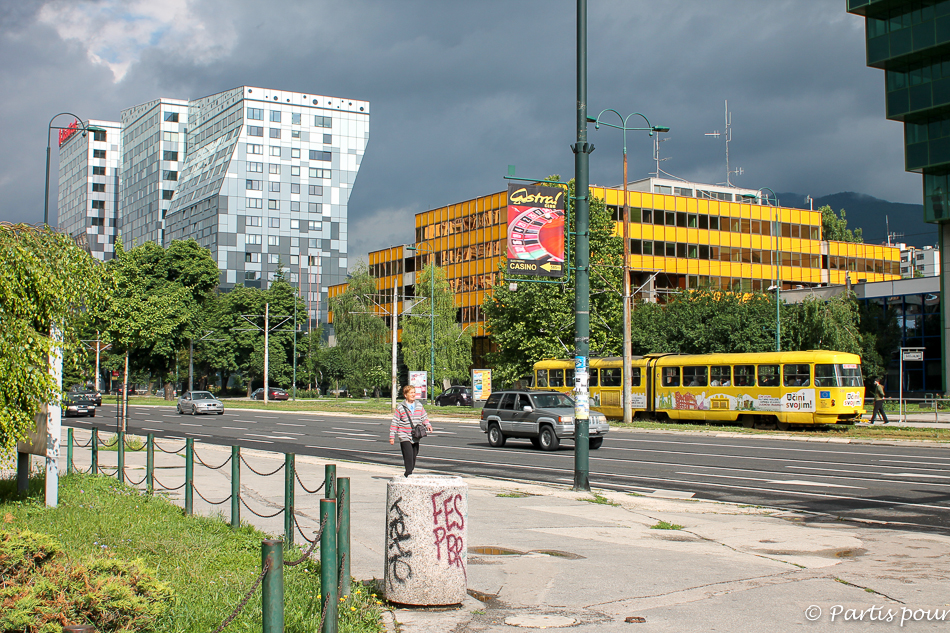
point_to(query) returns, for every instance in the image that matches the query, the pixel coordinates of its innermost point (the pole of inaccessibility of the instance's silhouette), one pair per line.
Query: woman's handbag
(419, 432)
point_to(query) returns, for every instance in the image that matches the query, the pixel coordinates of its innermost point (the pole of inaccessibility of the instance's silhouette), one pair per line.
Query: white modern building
(919, 262)
(89, 185)
(265, 182)
(153, 138)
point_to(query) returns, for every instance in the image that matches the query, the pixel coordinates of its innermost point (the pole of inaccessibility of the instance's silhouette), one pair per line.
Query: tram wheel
(748, 422)
(783, 426)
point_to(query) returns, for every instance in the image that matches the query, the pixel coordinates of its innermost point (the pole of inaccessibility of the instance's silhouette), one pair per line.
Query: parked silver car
(544, 417)
(195, 402)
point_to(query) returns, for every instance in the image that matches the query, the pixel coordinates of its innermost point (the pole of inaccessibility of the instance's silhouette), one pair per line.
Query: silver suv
(544, 417)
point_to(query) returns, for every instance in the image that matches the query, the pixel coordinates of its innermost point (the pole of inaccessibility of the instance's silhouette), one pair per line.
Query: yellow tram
(761, 389)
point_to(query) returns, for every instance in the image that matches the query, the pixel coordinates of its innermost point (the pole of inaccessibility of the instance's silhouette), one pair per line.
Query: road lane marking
(356, 439)
(355, 434)
(792, 482)
(916, 463)
(289, 424)
(269, 417)
(234, 428)
(270, 437)
(189, 424)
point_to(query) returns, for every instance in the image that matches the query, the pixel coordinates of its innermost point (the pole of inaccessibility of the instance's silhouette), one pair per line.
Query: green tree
(536, 320)
(142, 315)
(45, 281)
(835, 226)
(705, 321)
(453, 346)
(831, 324)
(360, 334)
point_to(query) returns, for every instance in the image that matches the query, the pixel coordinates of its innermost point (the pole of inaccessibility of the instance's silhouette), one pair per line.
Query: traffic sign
(913, 355)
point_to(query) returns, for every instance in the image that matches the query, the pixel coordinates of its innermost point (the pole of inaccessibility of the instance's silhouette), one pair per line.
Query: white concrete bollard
(426, 540)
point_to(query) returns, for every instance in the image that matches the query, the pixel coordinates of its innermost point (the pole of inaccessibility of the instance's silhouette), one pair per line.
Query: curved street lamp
(627, 359)
(431, 317)
(85, 130)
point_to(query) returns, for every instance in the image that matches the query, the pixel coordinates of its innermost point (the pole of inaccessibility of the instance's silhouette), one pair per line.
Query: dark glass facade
(918, 317)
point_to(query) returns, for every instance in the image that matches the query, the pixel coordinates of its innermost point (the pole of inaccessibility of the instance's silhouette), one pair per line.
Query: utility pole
(582, 150)
(266, 347)
(395, 330)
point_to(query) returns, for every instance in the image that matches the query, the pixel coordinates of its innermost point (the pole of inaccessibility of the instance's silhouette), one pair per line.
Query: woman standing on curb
(407, 415)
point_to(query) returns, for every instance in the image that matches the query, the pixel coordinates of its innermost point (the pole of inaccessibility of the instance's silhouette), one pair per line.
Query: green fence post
(329, 481)
(150, 463)
(189, 476)
(328, 564)
(120, 445)
(289, 466)
(343, 533)
(95, 451)
(272, 591)
(69, 451)
(235, 487)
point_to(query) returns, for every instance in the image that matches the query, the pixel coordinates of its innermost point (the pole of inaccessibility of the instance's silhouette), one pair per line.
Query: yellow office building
(682, 235)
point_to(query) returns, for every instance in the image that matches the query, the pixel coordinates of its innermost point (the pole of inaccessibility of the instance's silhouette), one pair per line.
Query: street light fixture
(627, 359)
(85, 130)
(431, 319)
(777, 263)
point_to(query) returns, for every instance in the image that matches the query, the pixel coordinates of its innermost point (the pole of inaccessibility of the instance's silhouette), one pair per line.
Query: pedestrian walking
(878, 402)
(410, 424)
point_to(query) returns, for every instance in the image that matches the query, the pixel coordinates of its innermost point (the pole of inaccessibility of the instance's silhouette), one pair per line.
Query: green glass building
(910, 41)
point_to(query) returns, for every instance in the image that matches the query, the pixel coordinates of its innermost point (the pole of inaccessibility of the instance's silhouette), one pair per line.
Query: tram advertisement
(536, 230)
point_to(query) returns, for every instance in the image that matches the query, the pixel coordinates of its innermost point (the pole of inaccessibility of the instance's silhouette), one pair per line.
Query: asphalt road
(901, 485)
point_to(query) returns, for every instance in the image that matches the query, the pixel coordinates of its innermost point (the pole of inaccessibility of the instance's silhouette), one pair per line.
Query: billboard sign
(536, 230)
(418, 380)
(481, 384)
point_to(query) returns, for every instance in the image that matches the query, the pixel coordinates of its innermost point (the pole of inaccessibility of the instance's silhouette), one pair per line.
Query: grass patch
(663, 525)
(513, 494)
(206, 566)
(132, 443)
(599, 499)
(368, 406)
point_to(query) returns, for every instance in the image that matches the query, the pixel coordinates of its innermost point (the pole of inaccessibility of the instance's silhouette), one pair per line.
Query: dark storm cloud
(461, 90)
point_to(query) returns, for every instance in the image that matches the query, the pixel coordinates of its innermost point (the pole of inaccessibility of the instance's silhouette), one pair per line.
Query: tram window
(796, 375)
(825, 376)
(542, 380)
(768, 375)
(720, 375)
(695, 377)
(569, 378)
(851, 375)
(671, 376)
(592, 375)
(557, 377)
(610, 377)
(745, 375)
(634, 376)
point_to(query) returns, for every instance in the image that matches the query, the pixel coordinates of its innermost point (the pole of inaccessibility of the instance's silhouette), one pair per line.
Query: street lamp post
(777, 264)
(85, 130)
(627, 359)
(431, 321)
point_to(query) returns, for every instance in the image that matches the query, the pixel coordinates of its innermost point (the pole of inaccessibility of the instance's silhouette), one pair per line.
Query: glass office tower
(265, 182)
(910, 41)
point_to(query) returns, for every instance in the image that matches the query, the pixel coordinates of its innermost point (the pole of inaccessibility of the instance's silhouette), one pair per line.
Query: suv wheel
(548, 439)
(495, 437)
(596, 442)
(179, 409)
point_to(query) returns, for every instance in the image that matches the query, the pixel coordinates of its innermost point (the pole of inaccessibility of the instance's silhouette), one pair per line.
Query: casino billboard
(536, 230)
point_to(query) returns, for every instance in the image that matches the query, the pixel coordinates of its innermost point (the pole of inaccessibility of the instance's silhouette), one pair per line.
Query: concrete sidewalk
(547, 557)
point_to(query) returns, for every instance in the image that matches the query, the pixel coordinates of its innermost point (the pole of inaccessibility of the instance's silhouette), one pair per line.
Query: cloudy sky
(461, 90)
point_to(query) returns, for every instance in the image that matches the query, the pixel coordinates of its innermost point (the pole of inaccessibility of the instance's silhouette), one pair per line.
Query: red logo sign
(66, 133)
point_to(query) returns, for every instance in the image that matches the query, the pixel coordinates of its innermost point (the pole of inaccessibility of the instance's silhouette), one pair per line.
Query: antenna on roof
(728, 135)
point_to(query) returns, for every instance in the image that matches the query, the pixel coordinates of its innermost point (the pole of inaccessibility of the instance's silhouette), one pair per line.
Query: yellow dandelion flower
(352, 608)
